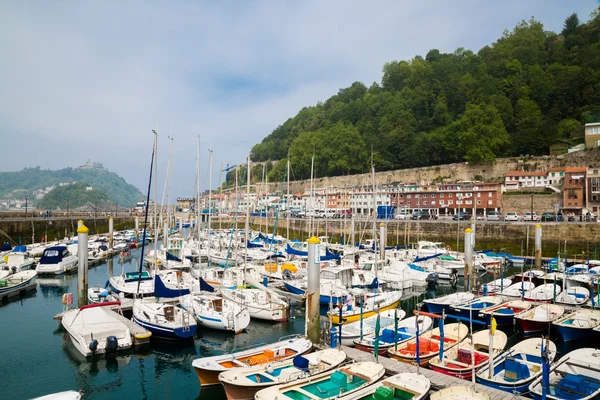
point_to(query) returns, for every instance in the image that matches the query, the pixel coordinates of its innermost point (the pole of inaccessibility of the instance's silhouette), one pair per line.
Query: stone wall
(522, 202)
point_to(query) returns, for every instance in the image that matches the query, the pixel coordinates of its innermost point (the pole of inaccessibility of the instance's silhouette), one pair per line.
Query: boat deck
(139, 335)
(438, 381)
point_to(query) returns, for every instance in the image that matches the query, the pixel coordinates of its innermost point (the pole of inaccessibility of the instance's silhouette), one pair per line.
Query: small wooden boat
(543, 293)
(351, 331)
(243, 383)
(443, 303)
(209, 368)
(505, 313)
(494, 287)
(518, 289)
(329, 385)
(68, 395)
(351, 312)
(531, 274)
(574, 296)
(515, 369)
(575, 376)
(474, 306)
(539, 318)
(404, 386)
(578, 324)
(459, 361)
(387, 339)
(429, 344)
(459, 393)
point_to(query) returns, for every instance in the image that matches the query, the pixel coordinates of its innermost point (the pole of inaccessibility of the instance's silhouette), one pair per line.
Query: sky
(91, 80)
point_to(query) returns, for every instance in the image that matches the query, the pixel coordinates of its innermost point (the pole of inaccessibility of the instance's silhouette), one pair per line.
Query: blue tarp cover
(160, 290)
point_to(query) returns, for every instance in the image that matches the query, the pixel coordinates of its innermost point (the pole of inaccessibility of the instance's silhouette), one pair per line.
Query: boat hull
(530, 327)
(207, 378)
(423, 360)
(521, 388)
(235, 392)
(462, 374)
(383, 350)
(168, 333)
(356, 317)
(568, 333)
(501, 320)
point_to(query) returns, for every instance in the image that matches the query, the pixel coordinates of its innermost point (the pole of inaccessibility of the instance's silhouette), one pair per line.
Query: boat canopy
(160, 290)
(53, 255)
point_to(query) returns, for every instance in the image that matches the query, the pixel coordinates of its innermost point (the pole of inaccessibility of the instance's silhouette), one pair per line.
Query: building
(361, 202)
(91, 165)
(185, 203)
(559, 147)
(555, 176)
(592, 135)
(519, 180)
(574, 190)
(593, 190)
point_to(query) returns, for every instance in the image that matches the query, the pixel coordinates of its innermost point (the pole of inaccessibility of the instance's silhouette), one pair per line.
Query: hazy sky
(91, 79)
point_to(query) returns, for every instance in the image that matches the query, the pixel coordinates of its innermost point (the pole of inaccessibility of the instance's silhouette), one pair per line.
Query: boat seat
(384, 393)
(339, 379)
(515, 371)
(387, 336)
(301, 363)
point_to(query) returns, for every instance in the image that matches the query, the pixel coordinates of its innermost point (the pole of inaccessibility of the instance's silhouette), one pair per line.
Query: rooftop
(523, 173)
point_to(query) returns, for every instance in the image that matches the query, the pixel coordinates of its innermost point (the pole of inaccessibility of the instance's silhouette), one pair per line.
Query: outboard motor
(13, 269)
(112, 344)
(454, 275)
(432, 279)
(93, 346)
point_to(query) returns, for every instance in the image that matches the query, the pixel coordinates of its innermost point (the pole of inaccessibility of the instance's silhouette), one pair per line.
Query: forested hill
(76, 196)
(21, 183)
(516, 96)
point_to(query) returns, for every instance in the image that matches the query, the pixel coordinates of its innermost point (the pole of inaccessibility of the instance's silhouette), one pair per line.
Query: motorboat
(94, 329)
(365, 305)
(429, 343)
(439, 304)
(243, 383)
(56, 260)
(18, 260)
(406, 385)
(208, 368)
(261, 304)
(577, 325)
(575, 375)
(16, 282)
(343, 381)
(515, 369)
(543, 293)
(216, 312)
(352, 331)
(474, 307)
(389, 337)
(133, 284)
(66, 395)
(573, 296)
(461, 361)
(505, 313)
(539, 318)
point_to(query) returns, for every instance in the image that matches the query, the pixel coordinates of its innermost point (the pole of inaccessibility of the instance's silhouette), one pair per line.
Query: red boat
(539, 318)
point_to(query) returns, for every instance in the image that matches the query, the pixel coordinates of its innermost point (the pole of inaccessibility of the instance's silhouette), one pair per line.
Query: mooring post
(313, 291)
(352, 230)
(468, 257)
(137, 229)
(165, 233)
(382, 241)
(79, 223)
(473, 227)
(82, 274)
(110, 233)
(538, 246)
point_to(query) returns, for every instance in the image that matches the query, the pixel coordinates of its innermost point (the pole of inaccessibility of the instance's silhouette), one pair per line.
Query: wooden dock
(438, 381)
(139, 335)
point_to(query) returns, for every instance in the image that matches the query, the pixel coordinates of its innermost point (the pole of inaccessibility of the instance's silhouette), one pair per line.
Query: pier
(438, 381)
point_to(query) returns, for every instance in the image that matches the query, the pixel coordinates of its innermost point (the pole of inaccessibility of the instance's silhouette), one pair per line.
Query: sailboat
(260, 303)
(439, 304)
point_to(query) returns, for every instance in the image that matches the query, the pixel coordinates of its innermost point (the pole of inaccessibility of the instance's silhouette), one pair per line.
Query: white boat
(351, 331)
(16, 282)
(518, 289)
(574, 296)
(371, 304)
(575, 375)
(577, 325)
(495, 287)
(95, 330)
(330, 385)
(539, 318)
(515, 369)
(18, 260)
(543, 293)
(387, 338)
(459, 393)
(133, 284)
(216, 312)
(56, 260)
(243, 383)
(439, 304)
(259, 303)
(407, 385)
(208, 368)
(67, 395)
(163, 319)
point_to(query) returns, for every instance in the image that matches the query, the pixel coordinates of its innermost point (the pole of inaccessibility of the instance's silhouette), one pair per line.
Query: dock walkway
(139, 335)
(438, 381)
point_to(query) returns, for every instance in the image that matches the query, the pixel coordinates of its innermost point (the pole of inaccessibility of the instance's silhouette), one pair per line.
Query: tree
(528, 138)
(481, 133)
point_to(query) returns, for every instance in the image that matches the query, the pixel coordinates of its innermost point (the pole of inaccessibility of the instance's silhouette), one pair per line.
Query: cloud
(91, 80)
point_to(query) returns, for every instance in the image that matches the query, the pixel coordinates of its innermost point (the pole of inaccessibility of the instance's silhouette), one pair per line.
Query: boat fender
(64, 300)
(270, 369)
(112, 344)
(93, 346)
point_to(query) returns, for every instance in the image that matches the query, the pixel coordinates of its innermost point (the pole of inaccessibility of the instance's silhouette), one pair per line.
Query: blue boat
(443, 303)
(474, 307)
(504, 313)
(574, 376)
(577, 325)
(515, 369)
(294, 288)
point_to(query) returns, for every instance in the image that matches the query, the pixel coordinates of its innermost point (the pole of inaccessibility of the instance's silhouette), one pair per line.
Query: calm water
(37, 357)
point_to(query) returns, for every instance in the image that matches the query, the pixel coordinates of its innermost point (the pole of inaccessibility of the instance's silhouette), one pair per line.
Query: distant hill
(31, 180)
(78, 197)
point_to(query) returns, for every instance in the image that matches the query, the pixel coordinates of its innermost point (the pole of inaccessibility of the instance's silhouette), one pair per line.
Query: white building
(517, 180)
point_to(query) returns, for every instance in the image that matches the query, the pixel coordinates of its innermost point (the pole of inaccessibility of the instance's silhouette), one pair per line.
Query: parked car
(423, 214)
(548, 216)
(402, 214)
(461, 216)
(513, 216)
(531, 216)
(495, 216)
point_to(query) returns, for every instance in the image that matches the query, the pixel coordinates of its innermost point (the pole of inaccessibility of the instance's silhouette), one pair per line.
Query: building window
(425, 203)
(478, 194)
(450, 202)
(425, 196)
(441, 202)
(490, 202)
(433, 196)
(478, 202)
(449, 194)
(408, 196)
(441, 195)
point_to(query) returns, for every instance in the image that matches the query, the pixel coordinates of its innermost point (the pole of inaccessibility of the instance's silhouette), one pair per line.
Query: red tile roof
(575, 169)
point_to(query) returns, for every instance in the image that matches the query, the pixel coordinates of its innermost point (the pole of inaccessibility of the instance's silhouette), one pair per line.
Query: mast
(287, 220)
(247, 224)
(310, 219)
(168, 204)
(198, 194)
(210, 162)
(374, 201)
(152, 164)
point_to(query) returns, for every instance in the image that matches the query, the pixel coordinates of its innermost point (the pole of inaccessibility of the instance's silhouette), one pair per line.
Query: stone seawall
(522, 202)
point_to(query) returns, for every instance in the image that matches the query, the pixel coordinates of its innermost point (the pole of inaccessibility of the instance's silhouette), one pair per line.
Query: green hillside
(516, 96)
(76, 196)
(29, 179)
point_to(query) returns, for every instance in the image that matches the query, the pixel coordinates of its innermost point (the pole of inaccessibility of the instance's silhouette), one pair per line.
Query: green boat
(404, 386)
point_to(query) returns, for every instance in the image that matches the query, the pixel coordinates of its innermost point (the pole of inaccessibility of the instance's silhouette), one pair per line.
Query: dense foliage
(75, 196)
(29, 179)
(517, 96)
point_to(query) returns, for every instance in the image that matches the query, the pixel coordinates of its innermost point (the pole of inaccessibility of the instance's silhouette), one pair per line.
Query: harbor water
(38, 358)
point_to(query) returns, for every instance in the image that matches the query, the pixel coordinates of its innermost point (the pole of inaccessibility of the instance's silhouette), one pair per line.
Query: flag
(493, 326)
(377, 328)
